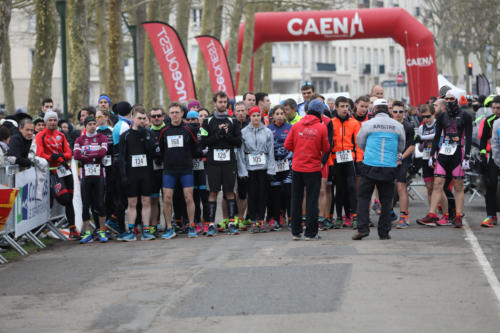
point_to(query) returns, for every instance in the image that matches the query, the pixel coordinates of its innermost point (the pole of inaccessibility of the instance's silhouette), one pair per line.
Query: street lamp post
(61, 9)
(133, 33)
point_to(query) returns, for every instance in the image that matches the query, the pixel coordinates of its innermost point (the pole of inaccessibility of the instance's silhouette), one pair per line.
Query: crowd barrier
(30, 214)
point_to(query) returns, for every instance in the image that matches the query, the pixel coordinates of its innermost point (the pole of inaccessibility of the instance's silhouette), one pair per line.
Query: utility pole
(133, 33)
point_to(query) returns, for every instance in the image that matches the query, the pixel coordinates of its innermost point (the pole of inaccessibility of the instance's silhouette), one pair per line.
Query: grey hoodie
(256, 141)
(495, 144)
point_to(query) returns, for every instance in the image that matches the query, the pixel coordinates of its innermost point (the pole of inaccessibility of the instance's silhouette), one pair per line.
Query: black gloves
(418, 139)
(55, 157)
(484, 163)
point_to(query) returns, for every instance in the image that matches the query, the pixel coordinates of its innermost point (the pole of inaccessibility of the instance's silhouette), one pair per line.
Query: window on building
(382, 57)
(354, 57)
(346, 62)
(284, 54)
(32, 56)
(339, 49)
(398, 63)
(391, 57)
(368, 56)
(375, 62)
(395, 3)
(361, 56)
(379, 3)
(335, 86)
(295, 54)
(274, 53)
(196, 16)
(193, 56)
(334, 55)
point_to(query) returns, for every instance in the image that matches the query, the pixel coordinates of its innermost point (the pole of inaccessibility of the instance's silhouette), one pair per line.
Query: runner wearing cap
(53, 146)
(382, 139)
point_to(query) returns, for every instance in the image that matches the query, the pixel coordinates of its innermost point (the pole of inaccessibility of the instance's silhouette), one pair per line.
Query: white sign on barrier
(29, 212)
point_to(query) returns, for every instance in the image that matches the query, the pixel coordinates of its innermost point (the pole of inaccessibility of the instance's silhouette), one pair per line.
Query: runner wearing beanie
(256, 161)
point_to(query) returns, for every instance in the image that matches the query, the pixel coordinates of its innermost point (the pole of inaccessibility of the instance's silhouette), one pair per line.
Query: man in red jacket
(308, 140)
(53, 146)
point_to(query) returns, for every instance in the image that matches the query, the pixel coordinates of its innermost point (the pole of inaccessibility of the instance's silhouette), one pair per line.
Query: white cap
(455, 93)
(380, 101)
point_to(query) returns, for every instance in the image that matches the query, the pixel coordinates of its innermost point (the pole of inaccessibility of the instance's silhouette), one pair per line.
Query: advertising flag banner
(217, 65)
(173, 61)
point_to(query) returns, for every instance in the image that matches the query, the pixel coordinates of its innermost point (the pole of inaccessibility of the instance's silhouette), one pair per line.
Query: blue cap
(316, 105)
(192, 114)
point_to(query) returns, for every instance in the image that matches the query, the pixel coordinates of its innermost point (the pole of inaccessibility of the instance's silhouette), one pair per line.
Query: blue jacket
(382, 138)
(280, 134)
(121, 127)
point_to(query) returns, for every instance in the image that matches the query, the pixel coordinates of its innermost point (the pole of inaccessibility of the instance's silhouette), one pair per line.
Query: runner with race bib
(451, 159)
(256, 161)
(281, 183)
(178, 146)
(345, 129)
(90, 149)
(137, 150)
(221, 134)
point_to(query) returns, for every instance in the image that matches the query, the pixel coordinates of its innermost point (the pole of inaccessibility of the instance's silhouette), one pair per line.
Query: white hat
(50, 114)
(380, 101)
(455, 93)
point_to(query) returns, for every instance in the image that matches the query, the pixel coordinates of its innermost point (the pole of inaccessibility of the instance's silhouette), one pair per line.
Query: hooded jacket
(256, 141)
(20, 148)
(308, 140)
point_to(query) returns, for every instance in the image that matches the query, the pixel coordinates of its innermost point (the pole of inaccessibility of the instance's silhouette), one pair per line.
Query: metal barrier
(8, 178)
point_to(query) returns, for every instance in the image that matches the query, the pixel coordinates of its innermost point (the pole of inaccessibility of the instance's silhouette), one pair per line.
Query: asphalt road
(423, 280)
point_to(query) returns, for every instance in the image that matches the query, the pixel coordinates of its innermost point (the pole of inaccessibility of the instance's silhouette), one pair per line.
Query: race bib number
(92, 169)
(343, 156)
(198, 164)
(106, 160)
(427, 153)
(175, 141)
(282, 165)
(157, 166)
(448, 148)
(221, 155)
(62, 171)
(256, 159)
(139, 161)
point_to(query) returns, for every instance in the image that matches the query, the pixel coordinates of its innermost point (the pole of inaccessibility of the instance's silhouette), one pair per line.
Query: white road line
(483, 261)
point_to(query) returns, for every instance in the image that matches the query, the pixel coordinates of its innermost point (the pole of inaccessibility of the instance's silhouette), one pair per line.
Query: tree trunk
(115, 79)
(165, 10)
(5, 13)
(8, 85)
(267, 68)
(79, 72)
(217, 22)
(232, 51)
(182, 20)
(139, 16)
(257, 70)
(246, 56)
(202, 80)
(45, 51)
(150, 63)
(102, 43)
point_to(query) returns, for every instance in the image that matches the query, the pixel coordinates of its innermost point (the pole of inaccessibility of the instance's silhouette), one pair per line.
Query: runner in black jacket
(221, 134)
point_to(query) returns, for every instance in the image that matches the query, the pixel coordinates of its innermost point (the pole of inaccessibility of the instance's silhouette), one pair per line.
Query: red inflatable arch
(416, 39)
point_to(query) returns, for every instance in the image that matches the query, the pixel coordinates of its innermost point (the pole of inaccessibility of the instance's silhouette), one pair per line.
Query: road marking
(483, 261)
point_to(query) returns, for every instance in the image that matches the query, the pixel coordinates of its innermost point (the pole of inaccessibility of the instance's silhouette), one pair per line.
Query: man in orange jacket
(345, 129)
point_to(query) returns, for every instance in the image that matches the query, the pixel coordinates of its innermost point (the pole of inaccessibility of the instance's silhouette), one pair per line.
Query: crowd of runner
(318, 165)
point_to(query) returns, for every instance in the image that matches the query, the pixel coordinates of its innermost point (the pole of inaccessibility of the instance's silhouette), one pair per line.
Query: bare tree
(182, 20)
(101, 41)
(79, 71)
(139, 16)
(234, 25)
(246, 56)
(202, 81)
(8, 85)
(115, 81)
(165, 11)
(150, 72)
(45, 51)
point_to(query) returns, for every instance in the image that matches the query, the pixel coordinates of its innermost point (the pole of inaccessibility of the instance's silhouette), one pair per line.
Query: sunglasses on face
(156, 115)
(398, 111)
(427, 116)
(451, 99)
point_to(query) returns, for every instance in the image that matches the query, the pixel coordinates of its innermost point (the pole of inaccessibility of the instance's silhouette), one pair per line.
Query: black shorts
(402, 171)
(221, 176)
(242, 188)
(139, 187)
(427, 171)
(156, 182)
